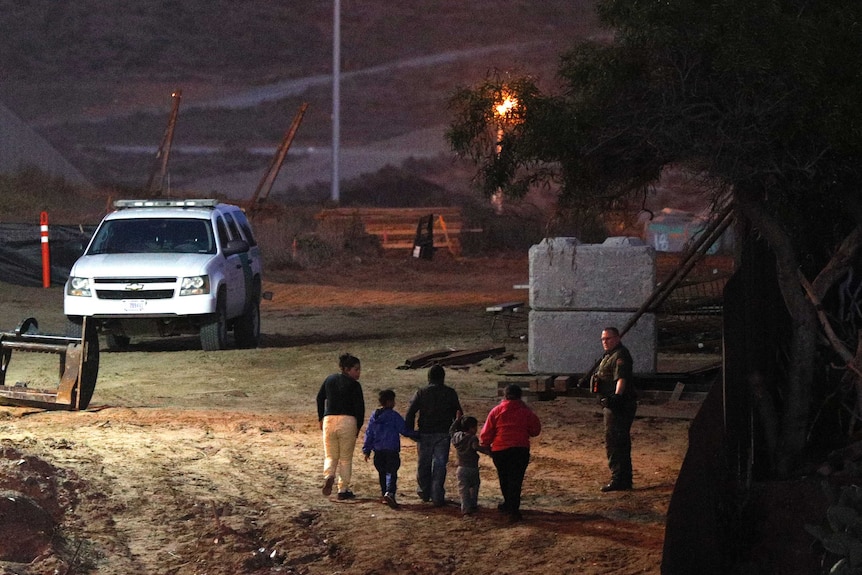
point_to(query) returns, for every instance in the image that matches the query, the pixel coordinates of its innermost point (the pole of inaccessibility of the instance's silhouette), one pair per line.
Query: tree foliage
(761, 98)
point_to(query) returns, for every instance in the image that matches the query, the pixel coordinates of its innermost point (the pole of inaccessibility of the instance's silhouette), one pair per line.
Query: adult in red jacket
(507, 430)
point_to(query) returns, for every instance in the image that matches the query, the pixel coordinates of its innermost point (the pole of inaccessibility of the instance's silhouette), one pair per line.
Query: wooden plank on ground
(451, 357)
(467, 356)
(427, 358)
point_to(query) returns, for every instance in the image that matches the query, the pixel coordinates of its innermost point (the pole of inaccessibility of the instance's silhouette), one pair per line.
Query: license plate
(133, 305)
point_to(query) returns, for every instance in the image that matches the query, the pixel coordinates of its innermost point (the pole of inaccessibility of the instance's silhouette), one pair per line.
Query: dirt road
(210, 463)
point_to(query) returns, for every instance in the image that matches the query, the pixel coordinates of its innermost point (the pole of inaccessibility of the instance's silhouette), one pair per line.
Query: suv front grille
(134, 280)
(145, 294)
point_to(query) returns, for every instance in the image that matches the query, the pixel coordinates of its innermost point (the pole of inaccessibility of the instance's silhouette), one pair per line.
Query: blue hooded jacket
(385, 426)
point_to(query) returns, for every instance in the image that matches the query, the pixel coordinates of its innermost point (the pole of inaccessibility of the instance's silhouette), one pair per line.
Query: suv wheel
(214, 333)
(117, 342)
(247, 328)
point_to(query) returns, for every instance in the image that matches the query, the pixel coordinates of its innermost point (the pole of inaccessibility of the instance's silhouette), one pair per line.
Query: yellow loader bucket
(79, 367)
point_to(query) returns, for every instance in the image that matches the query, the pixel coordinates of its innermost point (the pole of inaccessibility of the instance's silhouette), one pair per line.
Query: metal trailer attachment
(79, 367)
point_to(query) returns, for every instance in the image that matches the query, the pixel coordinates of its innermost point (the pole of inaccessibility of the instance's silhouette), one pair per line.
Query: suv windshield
(149, 236)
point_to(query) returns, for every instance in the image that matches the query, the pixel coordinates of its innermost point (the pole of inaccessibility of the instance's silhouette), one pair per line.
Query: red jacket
(510, 424)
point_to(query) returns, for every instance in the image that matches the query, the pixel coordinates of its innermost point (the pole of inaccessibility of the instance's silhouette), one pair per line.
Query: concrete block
(623, 241)
(569, 342)
(565, 274)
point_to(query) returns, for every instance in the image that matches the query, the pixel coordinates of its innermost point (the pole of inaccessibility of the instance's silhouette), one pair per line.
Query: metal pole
(336, 96)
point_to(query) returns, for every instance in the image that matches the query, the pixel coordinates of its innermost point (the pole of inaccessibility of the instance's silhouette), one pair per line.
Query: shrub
(841, 537)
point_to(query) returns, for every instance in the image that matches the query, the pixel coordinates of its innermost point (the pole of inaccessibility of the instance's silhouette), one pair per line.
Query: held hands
(367, 455)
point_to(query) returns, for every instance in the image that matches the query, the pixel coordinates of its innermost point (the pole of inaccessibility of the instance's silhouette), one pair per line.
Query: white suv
(170, 267)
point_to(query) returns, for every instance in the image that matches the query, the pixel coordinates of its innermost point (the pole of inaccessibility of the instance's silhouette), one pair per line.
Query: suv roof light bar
(197, 203)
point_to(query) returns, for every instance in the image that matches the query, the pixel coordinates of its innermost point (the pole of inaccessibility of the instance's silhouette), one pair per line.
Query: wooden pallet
(396, 227)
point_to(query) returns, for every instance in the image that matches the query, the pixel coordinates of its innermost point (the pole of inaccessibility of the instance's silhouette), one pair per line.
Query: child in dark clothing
(466, 442)
(382, 437)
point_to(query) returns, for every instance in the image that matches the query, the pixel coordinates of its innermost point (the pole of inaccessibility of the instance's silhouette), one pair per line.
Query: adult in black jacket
(437, 406)
(340, 411)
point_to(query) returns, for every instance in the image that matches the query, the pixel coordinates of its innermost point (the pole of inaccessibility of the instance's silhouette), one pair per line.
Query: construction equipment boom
(268, 179)
(156, 183)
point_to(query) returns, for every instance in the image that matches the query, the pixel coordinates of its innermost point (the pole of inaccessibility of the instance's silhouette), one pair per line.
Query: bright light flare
(506, 106)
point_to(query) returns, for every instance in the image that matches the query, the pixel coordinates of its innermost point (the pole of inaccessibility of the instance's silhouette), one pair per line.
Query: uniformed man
(613, 382)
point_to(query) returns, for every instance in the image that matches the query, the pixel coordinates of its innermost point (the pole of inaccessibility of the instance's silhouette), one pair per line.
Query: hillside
(96, 80)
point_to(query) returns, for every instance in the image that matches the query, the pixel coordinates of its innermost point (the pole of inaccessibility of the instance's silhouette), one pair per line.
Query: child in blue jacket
(382, 436)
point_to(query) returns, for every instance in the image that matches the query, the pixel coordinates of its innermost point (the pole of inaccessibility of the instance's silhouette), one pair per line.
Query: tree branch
(834, 341)
(838, 264)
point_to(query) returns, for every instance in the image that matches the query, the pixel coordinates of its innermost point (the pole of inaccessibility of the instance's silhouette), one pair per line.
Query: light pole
(336, 96)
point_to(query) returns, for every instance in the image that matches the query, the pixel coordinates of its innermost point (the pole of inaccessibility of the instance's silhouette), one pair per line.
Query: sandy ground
(210, 463)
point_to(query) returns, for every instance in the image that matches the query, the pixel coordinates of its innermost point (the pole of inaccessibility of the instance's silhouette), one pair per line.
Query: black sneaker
(389, 499)
(345, 495)
(616, 486)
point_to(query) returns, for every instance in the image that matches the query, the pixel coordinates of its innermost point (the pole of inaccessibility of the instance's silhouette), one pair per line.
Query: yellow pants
(339, 442)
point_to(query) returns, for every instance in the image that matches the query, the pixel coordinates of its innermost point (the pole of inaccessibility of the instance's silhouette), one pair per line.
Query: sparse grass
(26, 194)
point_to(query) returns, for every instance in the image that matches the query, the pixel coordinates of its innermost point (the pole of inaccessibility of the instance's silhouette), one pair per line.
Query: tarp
(21, 252)
(672, 231)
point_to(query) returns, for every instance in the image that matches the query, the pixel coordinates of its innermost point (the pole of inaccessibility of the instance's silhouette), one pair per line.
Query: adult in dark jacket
(507, 430)
(341, 411)
(437, 406)
(613, 381)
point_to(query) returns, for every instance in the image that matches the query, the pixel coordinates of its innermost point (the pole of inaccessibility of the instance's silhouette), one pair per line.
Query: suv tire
(214, 333)
(117, 342)
(246, 331)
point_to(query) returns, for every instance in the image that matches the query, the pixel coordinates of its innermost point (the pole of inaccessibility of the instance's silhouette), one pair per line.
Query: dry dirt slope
(98, 85)
(194, 463)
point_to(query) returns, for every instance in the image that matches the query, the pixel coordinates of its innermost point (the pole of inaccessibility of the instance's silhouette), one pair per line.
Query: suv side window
(246, 228)
(234, 230)
(221, 229)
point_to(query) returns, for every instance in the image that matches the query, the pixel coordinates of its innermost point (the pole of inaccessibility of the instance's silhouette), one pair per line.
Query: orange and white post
(46, 252)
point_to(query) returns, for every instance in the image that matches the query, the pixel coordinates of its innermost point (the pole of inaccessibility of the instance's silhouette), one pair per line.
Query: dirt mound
(34, 499)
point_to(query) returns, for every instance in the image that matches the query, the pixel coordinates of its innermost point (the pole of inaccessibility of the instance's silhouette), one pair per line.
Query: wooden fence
(396, 227)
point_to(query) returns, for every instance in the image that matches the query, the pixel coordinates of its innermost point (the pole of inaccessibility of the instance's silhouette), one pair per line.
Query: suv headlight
(195, 285)
(78, 287)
